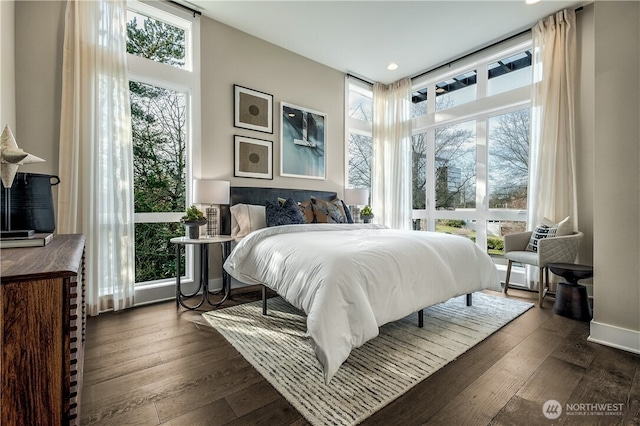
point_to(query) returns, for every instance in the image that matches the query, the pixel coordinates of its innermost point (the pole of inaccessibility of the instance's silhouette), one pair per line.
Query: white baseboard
(616, 337)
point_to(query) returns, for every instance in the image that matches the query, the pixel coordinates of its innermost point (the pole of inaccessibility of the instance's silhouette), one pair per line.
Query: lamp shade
(209, 191)
(356, 196)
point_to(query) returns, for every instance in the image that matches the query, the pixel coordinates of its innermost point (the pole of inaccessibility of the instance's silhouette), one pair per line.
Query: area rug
(374, 374)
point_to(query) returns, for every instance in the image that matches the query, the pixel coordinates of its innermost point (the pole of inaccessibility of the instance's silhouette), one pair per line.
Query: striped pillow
(542, 231)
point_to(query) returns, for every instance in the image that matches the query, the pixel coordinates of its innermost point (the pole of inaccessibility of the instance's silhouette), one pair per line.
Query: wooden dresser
(42, 328)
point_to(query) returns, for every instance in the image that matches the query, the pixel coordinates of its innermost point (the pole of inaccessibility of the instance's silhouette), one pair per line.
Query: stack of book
(29, 239)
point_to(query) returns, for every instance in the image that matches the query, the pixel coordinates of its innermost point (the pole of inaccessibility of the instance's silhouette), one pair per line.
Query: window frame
(480, 110)
(187, 81)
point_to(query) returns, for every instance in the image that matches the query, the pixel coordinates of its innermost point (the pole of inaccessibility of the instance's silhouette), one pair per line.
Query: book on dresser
(36, 240)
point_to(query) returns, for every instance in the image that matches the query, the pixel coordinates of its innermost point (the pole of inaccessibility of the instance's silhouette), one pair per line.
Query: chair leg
(506, 280)
(541, 287)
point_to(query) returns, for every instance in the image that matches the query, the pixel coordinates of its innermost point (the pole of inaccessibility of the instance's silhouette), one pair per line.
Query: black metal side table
(572, 300)
(203, 288)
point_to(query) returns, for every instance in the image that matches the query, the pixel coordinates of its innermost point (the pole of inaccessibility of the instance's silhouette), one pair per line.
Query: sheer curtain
(391, 170)
(95, 196)
(552, 162)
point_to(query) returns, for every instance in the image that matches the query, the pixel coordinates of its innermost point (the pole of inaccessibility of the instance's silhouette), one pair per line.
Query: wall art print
(253, 158)
(302, 142)
(253, 110)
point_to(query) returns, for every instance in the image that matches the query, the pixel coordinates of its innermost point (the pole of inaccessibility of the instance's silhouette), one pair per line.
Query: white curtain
(95, 196)
(391, 180)
(552, 159)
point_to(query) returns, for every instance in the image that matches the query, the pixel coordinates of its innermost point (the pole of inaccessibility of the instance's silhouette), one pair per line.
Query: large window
(163, 65)
(359, 127)
(470, 147)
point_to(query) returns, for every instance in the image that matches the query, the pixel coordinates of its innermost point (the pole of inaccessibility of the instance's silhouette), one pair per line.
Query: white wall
(616, 175)
(7, 65)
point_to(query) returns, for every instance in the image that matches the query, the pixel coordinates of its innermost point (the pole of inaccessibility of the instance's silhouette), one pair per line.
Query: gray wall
(616, 208)
(7, 67)
(232, 57)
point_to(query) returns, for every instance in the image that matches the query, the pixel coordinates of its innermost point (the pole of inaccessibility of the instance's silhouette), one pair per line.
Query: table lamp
(211, 192)
(354, 197)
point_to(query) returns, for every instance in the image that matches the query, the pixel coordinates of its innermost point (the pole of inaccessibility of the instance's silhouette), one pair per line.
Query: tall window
(359, 128)
(163, 66)
(470, 148)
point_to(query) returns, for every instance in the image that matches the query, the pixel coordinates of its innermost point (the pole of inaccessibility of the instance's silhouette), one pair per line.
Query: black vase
(194, 228)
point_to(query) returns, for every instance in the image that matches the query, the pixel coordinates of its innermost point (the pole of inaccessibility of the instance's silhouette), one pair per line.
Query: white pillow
(565, 227)
(246, 218)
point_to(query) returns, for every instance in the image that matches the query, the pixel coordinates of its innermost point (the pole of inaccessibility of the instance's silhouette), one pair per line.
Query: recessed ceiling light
(531, 1)
(392, 66)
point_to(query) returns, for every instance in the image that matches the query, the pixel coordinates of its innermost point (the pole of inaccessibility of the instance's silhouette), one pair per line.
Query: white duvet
(351, 279)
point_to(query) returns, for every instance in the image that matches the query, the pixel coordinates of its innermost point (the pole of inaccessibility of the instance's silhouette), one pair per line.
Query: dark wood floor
(158, 365)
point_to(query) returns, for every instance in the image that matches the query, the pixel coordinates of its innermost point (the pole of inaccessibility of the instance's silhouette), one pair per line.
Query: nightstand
(203, 288)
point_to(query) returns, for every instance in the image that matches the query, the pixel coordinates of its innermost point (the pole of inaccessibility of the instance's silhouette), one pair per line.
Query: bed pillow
(540, 232)
(325, 212)
(342, 209)
(286, 214)
(347, 212)
(307, 211)
(565, 227)
(246, 218)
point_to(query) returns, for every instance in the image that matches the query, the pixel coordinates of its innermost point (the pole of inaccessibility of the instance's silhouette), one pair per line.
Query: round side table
(203, 288)
(572, 300)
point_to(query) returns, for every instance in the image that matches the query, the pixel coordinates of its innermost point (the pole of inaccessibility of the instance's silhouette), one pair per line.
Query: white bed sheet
(351, 279)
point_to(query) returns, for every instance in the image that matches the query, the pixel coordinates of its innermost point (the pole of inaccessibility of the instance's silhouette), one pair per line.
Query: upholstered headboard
(258, 196)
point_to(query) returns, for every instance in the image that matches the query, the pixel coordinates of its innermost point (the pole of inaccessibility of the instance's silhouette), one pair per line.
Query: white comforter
(351, 279)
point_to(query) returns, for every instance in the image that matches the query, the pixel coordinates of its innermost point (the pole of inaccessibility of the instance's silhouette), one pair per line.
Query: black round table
(572, 300)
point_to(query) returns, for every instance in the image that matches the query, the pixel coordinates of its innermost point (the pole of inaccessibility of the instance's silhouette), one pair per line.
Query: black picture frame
(253, 110)
(253, 158)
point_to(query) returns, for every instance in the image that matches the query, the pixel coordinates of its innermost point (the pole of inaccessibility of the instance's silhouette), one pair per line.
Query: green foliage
(192, 214)
(495, 243)
(454, 223)
(366, 211)
(154, 254)
(157, 41)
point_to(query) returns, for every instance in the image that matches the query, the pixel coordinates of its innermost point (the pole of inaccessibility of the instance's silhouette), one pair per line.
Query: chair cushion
(541, 231)
(528, 257)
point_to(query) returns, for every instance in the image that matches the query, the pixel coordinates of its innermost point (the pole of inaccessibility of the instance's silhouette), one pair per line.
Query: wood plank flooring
(160, 365)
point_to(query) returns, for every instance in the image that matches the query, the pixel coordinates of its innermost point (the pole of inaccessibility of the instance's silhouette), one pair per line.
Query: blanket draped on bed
(351, 279)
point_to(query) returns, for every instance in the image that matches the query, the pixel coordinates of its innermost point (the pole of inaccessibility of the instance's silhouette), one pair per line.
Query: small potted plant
(366, 214)
(193, 220)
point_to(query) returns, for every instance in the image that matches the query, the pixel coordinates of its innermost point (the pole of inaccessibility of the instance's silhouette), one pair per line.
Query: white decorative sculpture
(11, 157)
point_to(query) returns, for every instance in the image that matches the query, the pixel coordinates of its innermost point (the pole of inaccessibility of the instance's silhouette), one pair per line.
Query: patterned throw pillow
(342, 209)
(325, 212)
(285, 214)
(347, 212)
(542, 231)
(307, 211)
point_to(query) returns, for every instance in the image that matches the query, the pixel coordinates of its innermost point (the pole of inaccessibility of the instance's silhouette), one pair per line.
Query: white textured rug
(376, 373)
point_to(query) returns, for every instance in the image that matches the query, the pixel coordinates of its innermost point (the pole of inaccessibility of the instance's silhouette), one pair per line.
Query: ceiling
(363, 37)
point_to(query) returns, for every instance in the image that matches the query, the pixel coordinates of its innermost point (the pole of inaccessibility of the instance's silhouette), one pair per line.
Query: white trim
(615, 337)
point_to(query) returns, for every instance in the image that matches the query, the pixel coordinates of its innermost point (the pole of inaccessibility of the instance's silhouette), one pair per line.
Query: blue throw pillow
(286, 214)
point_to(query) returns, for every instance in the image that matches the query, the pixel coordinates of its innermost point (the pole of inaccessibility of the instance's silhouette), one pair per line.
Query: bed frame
(258, 196)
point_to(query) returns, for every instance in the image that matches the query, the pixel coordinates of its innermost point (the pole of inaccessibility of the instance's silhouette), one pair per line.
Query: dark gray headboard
(252, 195)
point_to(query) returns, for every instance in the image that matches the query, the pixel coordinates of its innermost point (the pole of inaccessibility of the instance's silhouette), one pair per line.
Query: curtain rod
(479, 50)
(175, 3)
(360, 78)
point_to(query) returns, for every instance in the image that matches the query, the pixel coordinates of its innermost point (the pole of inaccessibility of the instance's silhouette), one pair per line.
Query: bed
(350, 279)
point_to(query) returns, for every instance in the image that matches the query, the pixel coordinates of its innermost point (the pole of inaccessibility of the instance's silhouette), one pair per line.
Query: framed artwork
(302, 142)
(253, 110)
(253, 158)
